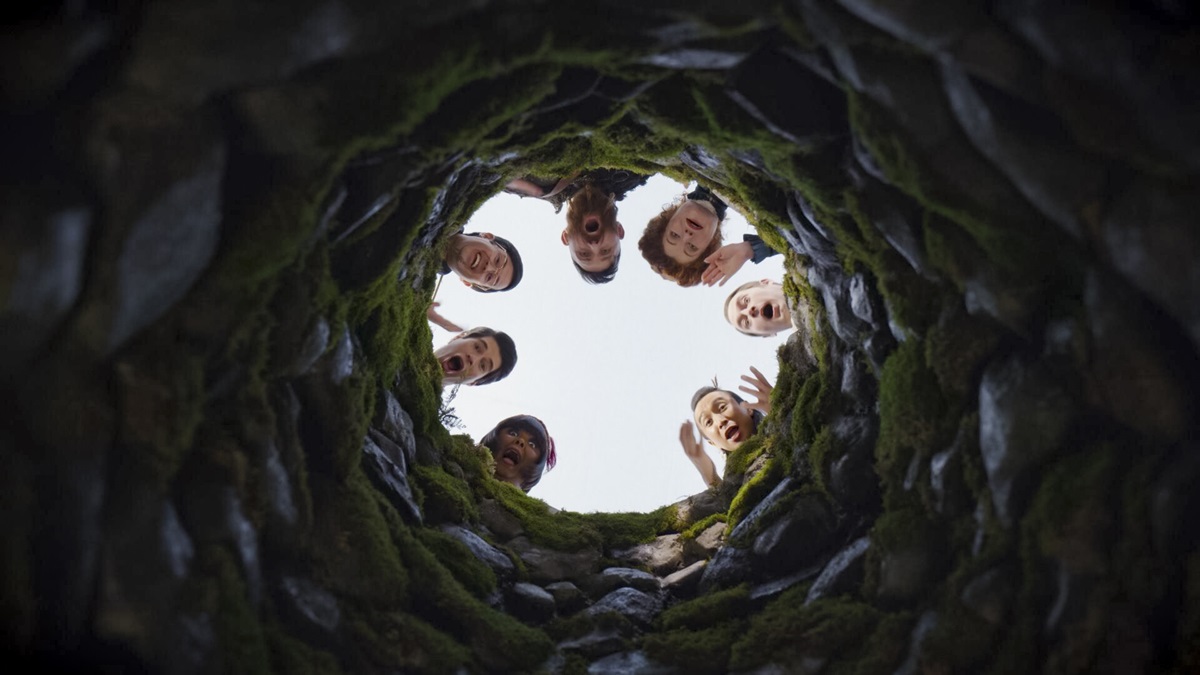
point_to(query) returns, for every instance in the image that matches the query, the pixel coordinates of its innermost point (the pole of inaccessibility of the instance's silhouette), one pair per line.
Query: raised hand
(760, 389)
(694, 449)
(442, 321)
(725, 262)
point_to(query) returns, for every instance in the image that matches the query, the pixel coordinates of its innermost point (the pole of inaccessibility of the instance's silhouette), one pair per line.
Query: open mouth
(591, 224)
(452, 364)
(475, 260)
(694, 225)
(733, 433)
(510, 457)
(768, 311)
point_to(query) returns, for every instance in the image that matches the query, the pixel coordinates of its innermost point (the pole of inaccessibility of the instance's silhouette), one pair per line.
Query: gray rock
(769, 590)
(278, 488)
(729, 567)
(705, 544)
(213, 514)
(752, 520)
(852, 477)
(834, 287)
(684, 581)
(395, 423)
(694, 59)
(567, 597)
(950, 493)
(662, 556)
(806, 236)
(546, 566)
(640, 608)
(932, 26)
(798, 538)
(529, 603)
(990, 594)
(490, 555)
(843, 573)
(699, 506)
(499, 520)
(601, 584)
(805, 113)
(44, 244)
(629, 663)
(1027, 144)
(1024, 414)
(925, 625)
(390, 478)
(595, 644)
(309, 610)
(905, 573)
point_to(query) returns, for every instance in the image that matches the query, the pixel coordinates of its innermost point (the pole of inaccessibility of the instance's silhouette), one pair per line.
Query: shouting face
(724, 421)
(516, 455)
(593, 234)
(758, 308)
(465, 360)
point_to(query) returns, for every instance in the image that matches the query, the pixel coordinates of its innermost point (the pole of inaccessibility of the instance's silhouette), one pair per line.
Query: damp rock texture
(223, 447)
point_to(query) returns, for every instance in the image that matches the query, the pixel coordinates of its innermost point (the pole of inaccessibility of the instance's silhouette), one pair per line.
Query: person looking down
(521, 449)
(759, 308)
(724, 420)
(476, 357)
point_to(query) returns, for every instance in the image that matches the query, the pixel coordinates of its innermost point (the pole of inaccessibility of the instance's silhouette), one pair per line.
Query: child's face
(723, 421)
(690, 231)
(516, 454)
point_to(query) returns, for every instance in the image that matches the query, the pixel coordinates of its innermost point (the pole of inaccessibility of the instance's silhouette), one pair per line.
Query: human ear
(487, 235)
(467, 283)
(620, 231)
(564, 237)
(765, 282)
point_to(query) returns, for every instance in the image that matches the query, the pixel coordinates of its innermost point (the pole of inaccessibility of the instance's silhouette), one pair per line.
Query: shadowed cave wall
(223, 447)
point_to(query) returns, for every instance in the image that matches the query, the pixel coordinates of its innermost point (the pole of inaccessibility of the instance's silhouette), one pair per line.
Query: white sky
(609, 368)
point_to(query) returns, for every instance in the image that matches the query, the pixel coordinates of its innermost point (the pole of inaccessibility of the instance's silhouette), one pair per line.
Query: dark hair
(514, 261)
(756, 416)
(651, 247)
(545, 443)
(603, 276)
(508, 353)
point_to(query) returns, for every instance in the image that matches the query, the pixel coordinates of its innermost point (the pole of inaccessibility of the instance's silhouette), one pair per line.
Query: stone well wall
(224, 447)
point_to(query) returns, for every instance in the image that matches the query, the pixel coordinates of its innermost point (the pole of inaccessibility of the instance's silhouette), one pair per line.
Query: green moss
(819, 458)
(445, 498)
(491, 635)
(911, 413)
(359, 552)
(570, 531)
(695, 529)
(396, 640)
(787, 630)
(707, 610)
(474, 575)
(753, 491)
(289, 655)
(898, 530)
(738, 461)
(705, 650)
(242, 642)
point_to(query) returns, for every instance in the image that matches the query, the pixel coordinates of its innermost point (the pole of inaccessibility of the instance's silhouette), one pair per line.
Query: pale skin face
(759, 309)
(479, 261)
(517, 454)
(596, 247)
(722, 420)
(690, 231)
(465, 360)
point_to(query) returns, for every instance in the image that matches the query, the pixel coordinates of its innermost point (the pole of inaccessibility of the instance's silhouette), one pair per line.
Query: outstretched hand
(725, 263)
(760, 389)
(694, 449)
(442, 321)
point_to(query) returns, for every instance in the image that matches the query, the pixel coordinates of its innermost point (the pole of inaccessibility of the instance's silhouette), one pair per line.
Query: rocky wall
(224, 447)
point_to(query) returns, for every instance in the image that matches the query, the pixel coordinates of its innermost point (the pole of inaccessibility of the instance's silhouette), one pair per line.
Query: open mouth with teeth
(452, 365)
(733, 433)
(475, 260)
